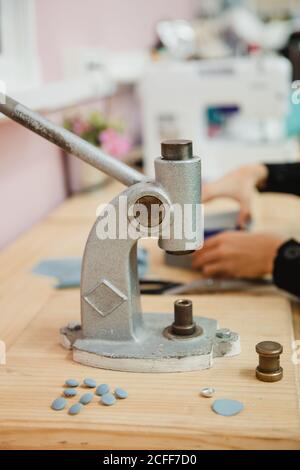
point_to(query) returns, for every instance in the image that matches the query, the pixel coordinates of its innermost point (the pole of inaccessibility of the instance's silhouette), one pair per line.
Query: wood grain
(163, 410)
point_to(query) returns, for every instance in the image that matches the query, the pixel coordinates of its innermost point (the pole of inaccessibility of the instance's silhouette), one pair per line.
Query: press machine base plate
(153, 351)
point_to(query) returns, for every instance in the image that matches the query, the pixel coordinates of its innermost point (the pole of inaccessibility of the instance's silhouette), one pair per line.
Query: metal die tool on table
(114, 334)
(269, 369)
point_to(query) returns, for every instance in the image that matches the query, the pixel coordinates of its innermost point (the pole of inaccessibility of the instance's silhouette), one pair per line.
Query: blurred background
(125, 74)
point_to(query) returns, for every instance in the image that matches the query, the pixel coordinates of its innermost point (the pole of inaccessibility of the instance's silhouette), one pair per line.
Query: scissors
(157, 286)
(154, 287)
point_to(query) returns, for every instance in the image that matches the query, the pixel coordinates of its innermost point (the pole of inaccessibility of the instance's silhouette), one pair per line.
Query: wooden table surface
(163, 410)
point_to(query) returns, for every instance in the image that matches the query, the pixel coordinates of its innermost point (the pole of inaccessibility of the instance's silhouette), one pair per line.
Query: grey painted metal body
(114, 333)
(110, 300)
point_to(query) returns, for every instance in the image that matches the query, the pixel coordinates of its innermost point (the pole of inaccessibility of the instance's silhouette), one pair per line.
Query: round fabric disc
(227, 407)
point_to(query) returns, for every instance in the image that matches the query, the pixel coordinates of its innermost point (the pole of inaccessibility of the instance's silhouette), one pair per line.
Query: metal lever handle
(69, 142)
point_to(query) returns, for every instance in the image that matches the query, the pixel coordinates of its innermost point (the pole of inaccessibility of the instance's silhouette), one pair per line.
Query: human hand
(239, 185)
(238, 255)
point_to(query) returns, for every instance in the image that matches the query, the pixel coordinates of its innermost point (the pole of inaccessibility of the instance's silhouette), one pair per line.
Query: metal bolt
(74, 326)
(183, 318)
(183, 325)
(268, 369)
(223, 333)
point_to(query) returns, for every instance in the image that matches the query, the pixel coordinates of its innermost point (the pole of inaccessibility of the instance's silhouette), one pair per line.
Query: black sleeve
(283, 178)
(286, 272)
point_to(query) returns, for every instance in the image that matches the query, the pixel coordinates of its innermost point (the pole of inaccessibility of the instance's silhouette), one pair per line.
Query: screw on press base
(183, 322)
(184, 326)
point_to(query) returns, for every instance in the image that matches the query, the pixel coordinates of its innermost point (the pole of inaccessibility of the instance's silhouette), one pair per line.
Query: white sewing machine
(233, 109)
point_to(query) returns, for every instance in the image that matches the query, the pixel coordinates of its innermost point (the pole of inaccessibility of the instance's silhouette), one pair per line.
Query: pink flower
(114, 143)
(79, 126)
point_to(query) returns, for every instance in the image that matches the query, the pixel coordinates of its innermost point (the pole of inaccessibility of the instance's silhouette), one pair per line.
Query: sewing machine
(113, 332)
(233, 109)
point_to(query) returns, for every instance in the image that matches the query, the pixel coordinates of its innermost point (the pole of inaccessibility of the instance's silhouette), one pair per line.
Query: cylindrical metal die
(182, 181)
(268, 369)
(183, 318)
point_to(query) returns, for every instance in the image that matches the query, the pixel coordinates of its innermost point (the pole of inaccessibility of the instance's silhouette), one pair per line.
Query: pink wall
(31, 175)
(31, 179)
(114, 24)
